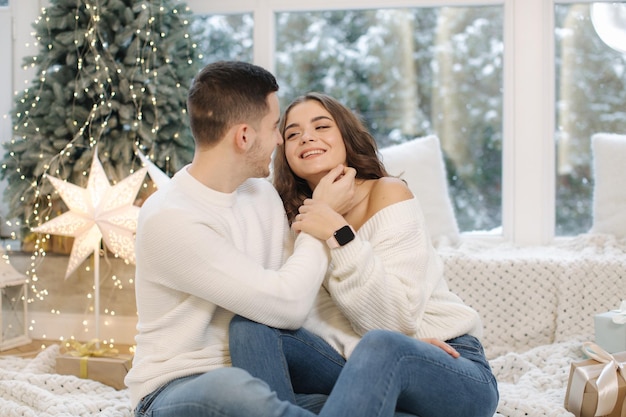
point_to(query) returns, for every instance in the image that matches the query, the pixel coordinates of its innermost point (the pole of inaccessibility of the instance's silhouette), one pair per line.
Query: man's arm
(195, 259)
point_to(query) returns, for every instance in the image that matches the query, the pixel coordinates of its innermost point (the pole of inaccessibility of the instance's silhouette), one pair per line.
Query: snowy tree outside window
(224, 37)
(590, 97)
(409, 73)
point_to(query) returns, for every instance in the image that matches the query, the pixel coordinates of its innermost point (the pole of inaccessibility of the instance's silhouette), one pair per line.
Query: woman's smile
(312, 153)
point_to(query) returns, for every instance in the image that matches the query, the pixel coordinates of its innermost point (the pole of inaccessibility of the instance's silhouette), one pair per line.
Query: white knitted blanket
(533, 296)
(531, 384)
(30, 388)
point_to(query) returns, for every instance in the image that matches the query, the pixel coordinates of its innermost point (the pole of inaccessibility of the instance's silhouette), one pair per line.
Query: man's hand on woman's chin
(337, 188)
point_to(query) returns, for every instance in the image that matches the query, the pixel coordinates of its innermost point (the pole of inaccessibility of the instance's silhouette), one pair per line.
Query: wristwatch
(341, 237)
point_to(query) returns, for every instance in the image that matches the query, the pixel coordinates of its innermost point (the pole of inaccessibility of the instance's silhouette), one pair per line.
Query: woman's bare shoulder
(387, 191)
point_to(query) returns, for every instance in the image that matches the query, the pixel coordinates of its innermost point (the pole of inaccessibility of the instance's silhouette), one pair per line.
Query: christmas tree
(111, 75)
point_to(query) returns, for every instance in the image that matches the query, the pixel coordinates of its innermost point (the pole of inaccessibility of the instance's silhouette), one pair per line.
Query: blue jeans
(224, 392)
(290, 361)
(387, 370)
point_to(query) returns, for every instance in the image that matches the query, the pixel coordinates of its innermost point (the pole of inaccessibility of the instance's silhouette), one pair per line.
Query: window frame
(528, 148)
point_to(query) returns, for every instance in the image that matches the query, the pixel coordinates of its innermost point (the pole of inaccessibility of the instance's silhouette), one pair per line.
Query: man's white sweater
(203, 256)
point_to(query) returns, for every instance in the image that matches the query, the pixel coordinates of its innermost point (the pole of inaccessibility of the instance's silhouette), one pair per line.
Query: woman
(384, 274)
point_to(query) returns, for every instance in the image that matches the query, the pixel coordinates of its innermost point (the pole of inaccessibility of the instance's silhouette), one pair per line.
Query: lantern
(13, 307)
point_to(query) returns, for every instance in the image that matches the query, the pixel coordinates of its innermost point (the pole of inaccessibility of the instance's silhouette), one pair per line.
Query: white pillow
(609, 190)
(420, 163)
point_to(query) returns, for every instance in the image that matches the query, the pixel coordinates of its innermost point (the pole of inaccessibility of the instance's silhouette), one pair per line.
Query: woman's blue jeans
(387, 371)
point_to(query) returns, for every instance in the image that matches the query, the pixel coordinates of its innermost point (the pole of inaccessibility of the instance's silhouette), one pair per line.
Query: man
(213, 243)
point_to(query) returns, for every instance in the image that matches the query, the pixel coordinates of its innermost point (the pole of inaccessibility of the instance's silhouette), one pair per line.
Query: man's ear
(243, 136)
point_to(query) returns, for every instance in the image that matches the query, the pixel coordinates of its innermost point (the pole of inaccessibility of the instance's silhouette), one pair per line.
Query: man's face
(267, 138)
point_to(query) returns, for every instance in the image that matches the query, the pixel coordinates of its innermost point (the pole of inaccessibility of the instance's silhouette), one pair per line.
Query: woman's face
(313, 143)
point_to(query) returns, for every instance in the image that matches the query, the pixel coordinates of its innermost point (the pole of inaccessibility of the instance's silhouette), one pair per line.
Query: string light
(99, 73)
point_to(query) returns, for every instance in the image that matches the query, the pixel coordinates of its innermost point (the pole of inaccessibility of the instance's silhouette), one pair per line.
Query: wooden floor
(33, 348)
(29, 350)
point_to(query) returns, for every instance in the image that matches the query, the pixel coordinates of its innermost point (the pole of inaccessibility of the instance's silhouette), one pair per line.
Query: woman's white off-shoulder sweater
(389, 277)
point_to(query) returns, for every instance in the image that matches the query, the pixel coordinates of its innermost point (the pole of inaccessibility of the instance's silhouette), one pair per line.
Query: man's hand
(337, 188)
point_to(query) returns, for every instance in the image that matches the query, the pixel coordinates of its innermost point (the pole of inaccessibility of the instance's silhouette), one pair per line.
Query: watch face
(344, 235)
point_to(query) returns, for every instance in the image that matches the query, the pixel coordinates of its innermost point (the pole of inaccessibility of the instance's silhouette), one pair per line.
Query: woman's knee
(394, 345)
(384, 339)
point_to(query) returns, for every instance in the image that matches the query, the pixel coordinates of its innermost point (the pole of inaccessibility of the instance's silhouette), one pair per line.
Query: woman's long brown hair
(361, 153)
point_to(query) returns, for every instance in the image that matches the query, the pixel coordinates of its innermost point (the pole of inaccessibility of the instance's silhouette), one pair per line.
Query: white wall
(6, 73)
(6, 91)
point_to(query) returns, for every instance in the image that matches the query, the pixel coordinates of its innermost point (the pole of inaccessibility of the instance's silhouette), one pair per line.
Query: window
(409, 73)
(224, 37)
(590, 96)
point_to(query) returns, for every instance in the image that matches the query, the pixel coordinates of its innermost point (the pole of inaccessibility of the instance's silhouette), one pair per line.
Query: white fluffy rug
(531, 384)
(30, 388)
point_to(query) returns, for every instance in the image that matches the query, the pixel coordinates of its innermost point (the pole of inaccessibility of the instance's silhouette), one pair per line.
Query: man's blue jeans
(387, 370)
(224, 392)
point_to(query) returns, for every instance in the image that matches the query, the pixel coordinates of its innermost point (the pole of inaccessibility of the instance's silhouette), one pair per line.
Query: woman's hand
(337, 188)
(318, 219)
(443, 345)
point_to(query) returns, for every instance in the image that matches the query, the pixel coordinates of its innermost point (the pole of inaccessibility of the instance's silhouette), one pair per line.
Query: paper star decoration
(159, 177)
(100, 211)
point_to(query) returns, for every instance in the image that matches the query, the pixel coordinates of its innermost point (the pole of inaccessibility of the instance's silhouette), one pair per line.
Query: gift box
(597, 386)
(105, 366)
(610, 329)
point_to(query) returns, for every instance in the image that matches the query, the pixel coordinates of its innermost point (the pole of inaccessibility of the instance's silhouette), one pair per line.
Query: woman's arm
(383, 278)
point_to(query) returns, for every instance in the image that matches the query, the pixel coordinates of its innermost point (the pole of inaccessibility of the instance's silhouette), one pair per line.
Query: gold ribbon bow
(607, 382)
(92, 348)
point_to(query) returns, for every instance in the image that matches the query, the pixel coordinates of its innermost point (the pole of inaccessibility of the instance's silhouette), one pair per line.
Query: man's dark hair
(226, 93)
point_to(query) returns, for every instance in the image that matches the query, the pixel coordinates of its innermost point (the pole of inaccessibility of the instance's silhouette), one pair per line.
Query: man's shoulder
(157, 197)
(164, 202)
(257, 183)
(259, 187)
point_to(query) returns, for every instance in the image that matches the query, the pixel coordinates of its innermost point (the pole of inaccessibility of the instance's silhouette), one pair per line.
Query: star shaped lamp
(159, 177)
(100, 211)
